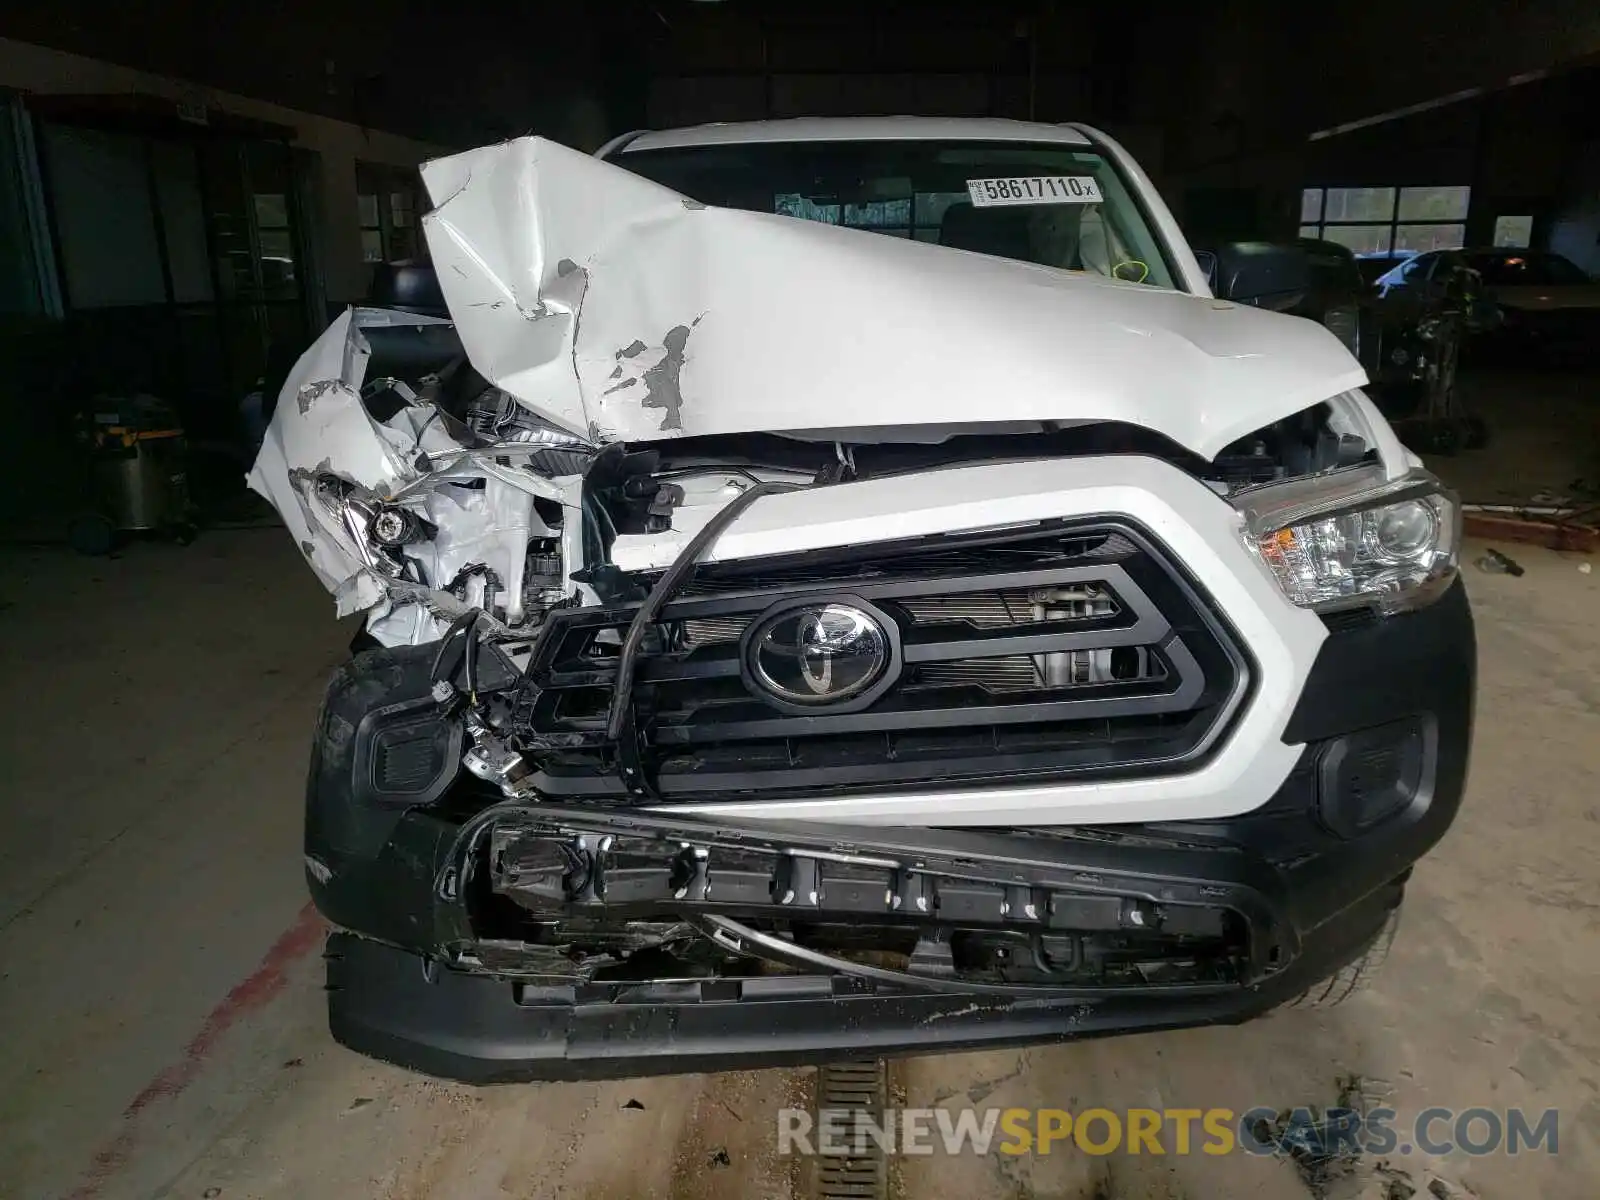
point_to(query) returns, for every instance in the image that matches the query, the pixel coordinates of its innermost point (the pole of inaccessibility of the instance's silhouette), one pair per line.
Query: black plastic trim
(1380, 670)
(1128, 565)
(395, 1006)
(417, 716)
(1317, 897)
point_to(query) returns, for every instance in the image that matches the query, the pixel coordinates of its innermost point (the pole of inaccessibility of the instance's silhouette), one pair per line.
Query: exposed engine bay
(449, 496)
(455, 515)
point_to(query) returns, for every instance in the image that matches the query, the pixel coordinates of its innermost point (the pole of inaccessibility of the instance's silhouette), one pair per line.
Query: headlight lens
(1401, 532)
(1349, 538)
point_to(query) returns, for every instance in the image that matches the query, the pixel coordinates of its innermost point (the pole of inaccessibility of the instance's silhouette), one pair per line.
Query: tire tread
(1353, 977)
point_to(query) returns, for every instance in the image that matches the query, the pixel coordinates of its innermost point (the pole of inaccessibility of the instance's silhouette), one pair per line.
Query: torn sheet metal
(619, 309)
(327, 465)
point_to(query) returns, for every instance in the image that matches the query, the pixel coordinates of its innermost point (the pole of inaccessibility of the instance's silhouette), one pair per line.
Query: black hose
(463, 627)
(620, 716)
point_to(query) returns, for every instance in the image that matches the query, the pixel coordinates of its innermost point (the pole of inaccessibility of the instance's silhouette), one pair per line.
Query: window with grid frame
(1387, 220)
(387, 204)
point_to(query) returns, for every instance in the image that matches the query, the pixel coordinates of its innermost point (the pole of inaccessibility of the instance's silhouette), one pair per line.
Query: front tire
(1355, 976)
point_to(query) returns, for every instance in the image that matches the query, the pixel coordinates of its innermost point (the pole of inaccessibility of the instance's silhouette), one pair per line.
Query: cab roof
(852, 129)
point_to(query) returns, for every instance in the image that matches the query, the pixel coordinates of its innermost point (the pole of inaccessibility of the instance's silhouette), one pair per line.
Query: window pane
(402, 244)
(792, 204)
(879, 212)
(400, 208)
(1363, 239)
(1514, 232)
(277, 264)
(183, 220)
(272, 211)
(275, 243)
(1311, 205)
(1430, 237)
(930, 206)
(1434, 203)
(1309, 231)
(367, 206)
(371, 246)
(1360, 204)
(100, 191)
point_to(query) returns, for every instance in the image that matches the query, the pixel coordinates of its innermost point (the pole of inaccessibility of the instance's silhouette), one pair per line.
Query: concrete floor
(160, 983)
(1545, 437)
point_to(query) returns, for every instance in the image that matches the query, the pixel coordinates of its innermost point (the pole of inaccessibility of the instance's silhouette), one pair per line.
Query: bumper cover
(389, 1004)
(1312, 899)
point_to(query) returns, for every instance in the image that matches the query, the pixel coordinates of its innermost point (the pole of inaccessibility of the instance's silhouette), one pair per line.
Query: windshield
(1058, 206)
(1534, 270)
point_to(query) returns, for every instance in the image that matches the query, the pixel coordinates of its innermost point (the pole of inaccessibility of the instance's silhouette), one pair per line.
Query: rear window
(1058, 206)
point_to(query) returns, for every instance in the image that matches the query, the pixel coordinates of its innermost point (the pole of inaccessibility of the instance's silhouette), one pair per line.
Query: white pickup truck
(853, 587)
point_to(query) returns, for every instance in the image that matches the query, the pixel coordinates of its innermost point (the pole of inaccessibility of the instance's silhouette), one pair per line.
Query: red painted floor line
(248, 995)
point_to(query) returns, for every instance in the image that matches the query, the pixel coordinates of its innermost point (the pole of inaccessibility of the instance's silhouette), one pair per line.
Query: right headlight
(1350, 537)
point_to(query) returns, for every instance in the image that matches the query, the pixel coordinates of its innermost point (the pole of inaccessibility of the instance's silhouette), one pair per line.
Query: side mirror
(1264, 274)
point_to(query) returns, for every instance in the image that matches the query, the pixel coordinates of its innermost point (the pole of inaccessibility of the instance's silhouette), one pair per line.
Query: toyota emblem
(818, 654)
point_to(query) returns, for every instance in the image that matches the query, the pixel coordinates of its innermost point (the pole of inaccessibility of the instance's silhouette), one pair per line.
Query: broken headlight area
(577, 902)
(1044, 650)
(653, 488)
(590, 650)
(416, 491)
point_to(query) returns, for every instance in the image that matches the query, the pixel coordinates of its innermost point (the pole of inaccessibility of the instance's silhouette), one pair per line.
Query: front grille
(986, 610)
(1063, 649)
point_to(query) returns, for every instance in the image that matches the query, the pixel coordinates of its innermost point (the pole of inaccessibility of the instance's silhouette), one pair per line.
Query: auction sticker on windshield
(1035, 189)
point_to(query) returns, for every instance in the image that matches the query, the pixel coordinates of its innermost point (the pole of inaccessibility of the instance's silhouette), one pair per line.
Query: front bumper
(1309, 883)
(387, 1003)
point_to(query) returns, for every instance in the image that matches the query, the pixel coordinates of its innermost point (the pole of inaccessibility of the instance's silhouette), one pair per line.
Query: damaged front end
(715, 701)
(416, 492)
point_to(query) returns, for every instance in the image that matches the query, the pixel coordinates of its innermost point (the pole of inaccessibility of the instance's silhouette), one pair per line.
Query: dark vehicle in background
(1408, 335)
(1425, 311)
(1550, 309)
(1408, 338)
(1337, 297)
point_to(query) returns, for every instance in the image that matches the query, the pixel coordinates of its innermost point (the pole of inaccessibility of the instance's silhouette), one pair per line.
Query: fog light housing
(1367, 777)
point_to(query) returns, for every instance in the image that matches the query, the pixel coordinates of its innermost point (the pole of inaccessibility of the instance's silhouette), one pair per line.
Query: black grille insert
(1069, 649)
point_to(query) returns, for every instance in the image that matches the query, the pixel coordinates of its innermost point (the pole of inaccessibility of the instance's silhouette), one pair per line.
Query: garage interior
(187, 199)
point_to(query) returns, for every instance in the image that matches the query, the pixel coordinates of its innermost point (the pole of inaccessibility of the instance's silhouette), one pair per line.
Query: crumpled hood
(621, 310)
